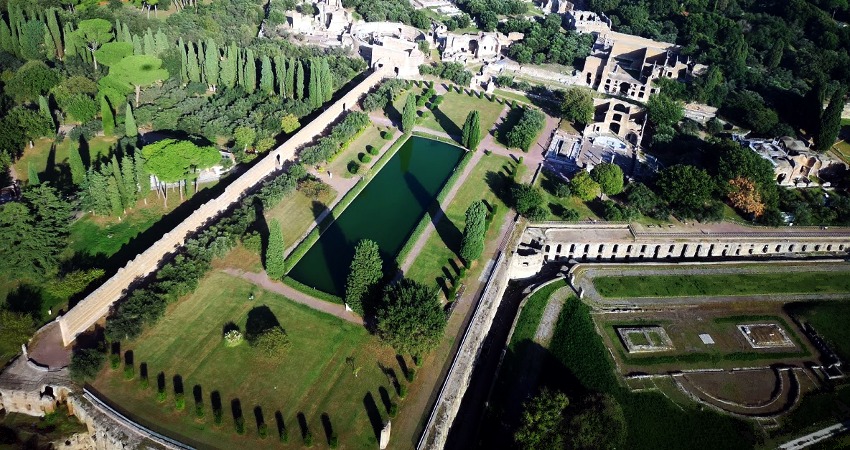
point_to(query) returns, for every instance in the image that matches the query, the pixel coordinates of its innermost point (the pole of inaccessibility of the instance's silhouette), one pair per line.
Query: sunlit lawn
(297, 213)
(371, 137)
(315, 376)
(437, 258)
(451, 114)
(40, 157)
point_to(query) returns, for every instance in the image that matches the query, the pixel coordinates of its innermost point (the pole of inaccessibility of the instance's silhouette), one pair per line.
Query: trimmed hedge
(311, 291)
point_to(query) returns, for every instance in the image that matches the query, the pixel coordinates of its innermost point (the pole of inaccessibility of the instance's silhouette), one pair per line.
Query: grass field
(438, 259)
(371, 137)
(830, 320)
(297, 213)
(332, 376)
(451, 114)
(843, 150)
(726, 284)
(54, 166)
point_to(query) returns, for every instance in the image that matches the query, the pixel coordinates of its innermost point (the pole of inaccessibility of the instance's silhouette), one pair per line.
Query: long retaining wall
(96, 305)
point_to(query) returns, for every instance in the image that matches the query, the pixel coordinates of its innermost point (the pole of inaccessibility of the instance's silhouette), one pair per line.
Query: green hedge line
(311, 291)
(311, 238)
(423, 222)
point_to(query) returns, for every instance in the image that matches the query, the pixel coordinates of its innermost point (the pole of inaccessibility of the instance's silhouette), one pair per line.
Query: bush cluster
(342, 133)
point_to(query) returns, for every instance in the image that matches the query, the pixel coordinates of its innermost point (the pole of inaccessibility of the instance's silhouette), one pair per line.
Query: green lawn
(438, 259)
(557, 206)
(314, 377)
(297, 213)
(726, 284)
(52, 167)
(843, 150)
(830, 320)
(451, 114)
(371, 137)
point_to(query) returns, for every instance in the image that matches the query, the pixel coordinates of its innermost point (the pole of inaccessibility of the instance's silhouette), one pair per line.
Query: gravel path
(262, 280)
(546, 329)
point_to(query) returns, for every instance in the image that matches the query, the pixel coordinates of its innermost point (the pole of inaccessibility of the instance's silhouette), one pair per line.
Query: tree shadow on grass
(374, 414)
(281, 427)
(326, 424)
(177, 380)
(260, 319)
(258, 417)
(500, 184)
(447, 124)
(385, 398)
(507, 125)
(26, 299)
(302, 424)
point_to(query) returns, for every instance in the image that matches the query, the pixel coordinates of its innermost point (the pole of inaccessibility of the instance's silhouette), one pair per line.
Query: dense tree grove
(454, 71)
(546, 41)
(525, 131)
(341, 135)
(577, 105)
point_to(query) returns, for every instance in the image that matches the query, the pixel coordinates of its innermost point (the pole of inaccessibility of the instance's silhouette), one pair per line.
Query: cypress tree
(119, 179)
(830, 123)
(161, 42)
(299, 81)
(474, 230)
(408, 114)
(6, 43)
(194, 71)
(130, 128)
(137, 46)
(150, 45)
(314, 90)
(275, 264)
(229, 68)
(128, 177)
(69, 42)
(471, 134)
(114, 196)
(290, 78)
(55, 32)
(125, 33)
(75, 160)
(240, 67)
(364, 275)
(184, 61)
(49, 46)
(280, 74)
(211, 62)
(327, 80)
(107, 117)
(250, 71)
(266, 76)
(44, 109)
(32, 175)
(97, 197)
(142, 176)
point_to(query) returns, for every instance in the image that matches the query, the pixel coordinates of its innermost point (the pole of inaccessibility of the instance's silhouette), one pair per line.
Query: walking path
(817, 436)
(262, 280)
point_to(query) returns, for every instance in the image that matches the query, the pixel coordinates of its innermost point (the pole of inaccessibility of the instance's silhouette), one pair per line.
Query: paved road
(262, 280)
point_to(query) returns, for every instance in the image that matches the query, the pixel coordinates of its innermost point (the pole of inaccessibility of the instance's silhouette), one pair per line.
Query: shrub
(218, 416)
(86, 363)
(402, 391)
(353, 167)
(160, 396)
(129, 372)
(272, 341)
(233, 338)
(179, 401)
(239, 423)
(284, 435)
(488, 152)
(364, 158)
(199, 410)
(393, 410)
(114, 361)
(144, 383)
(410, 374)
(334, 441)
(308, 438)
(263, 431)
(372, 150)
(387, 134)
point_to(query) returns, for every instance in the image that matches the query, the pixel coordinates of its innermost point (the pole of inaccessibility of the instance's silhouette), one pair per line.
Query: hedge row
(311, 291)
(341, 135)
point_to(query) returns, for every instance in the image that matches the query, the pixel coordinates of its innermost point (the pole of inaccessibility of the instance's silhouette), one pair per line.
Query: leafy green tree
(527, 200)
(475, 228)
(91, 34)
(31, 40)
(830, 123)
(584, 187)
(609, 176)
(664, 110)
(34, 232)
(16, 329)
(408, 114)
(289, 123)
(542, 422)
(686, 188)
(526, 130)
(411, 318)
(138, 71)
(173, 161)
(130, 128)
(272, 342)
(31, 80)
(471, 133)
(107, 117)
(78, 169)
(229, 67)
(244, 136)
(600, 424)
(364, 275)
(275, 264)
(577, 105)
(79, 107)
(85, 364)
(266, 76)
(114, 195)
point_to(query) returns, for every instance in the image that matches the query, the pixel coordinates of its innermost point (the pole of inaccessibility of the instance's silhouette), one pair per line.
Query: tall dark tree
(474, 230)
(275, 265)
(408, 114)
(299, 81)
(250, 70)
(364, 275)
(266, 76)
(830, 123)
(411, 318)
(471, 133)
(75, 161)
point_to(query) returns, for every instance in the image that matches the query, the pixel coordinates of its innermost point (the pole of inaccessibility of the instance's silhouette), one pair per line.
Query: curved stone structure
(96, 305)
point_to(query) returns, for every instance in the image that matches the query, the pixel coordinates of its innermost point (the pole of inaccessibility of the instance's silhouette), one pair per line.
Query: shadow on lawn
(374, 414)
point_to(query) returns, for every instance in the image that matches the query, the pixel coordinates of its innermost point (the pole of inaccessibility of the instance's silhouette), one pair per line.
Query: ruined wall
(96, 305)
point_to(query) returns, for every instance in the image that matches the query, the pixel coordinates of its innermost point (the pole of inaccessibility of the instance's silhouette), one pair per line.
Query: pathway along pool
(386, 212)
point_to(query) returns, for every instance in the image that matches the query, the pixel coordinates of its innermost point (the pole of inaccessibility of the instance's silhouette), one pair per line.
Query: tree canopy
(577, 105)
(542, 424)
(609, 176)
(364, 275)
(411, 319)
(474, 230)
(171, 160)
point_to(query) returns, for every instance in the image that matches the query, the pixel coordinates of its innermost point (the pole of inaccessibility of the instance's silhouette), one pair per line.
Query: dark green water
(385, 212)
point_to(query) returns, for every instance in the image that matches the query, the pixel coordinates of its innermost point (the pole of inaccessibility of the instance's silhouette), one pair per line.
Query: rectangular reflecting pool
(386, 212)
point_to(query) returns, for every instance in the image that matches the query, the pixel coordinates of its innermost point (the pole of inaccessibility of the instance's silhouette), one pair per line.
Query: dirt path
(262, 280)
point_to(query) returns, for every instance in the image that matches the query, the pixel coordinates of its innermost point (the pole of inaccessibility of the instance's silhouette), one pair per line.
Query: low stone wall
(96, 305)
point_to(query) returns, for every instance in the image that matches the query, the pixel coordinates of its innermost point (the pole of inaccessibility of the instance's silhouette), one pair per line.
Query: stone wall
(96, 305)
